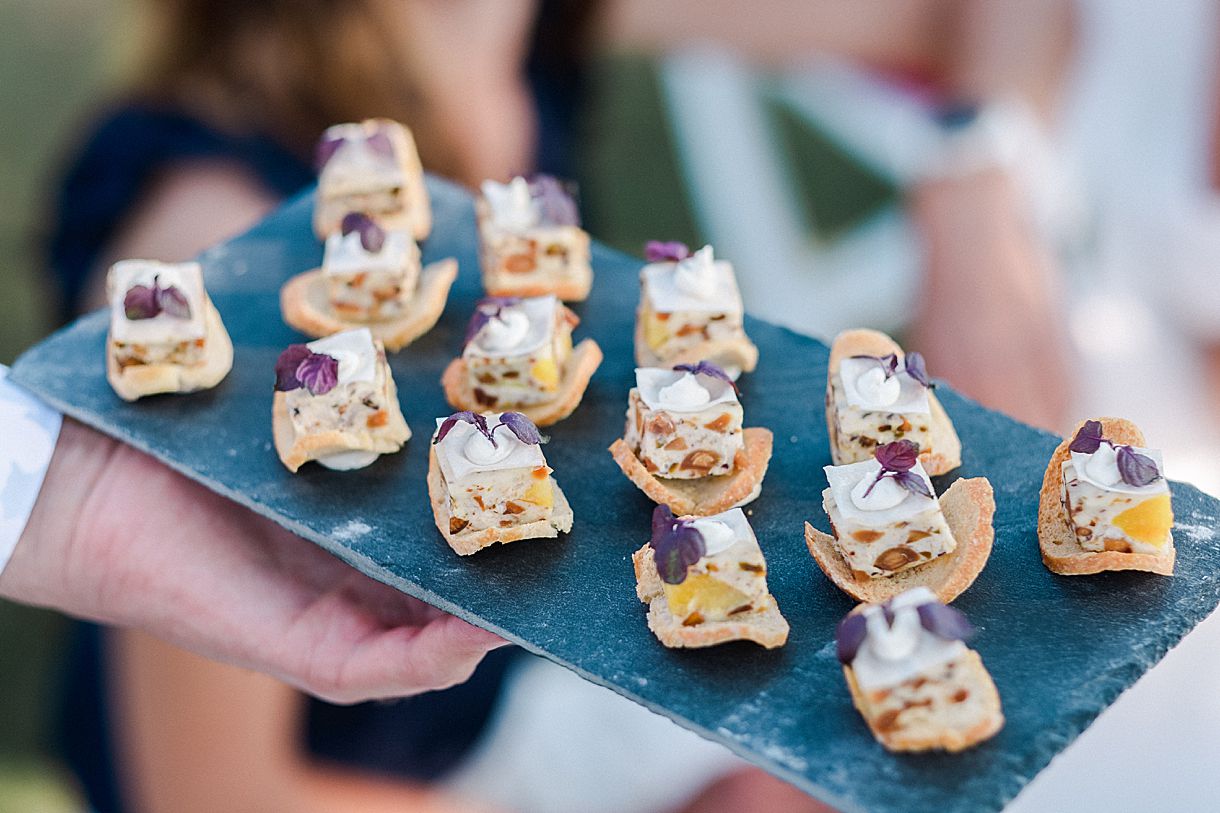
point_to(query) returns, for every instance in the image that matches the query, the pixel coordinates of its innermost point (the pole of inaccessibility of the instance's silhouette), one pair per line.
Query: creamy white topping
(1101, 470)
(504, 331)
(539, 311)
(717, 535)
(896, 652)
(654, 384)
(460, 455)
(699, 285)
(513, 207)
(355, 352)
(347, 461)
(866, 387)
(871, 494)
(345, 253)
(844, 480)
(684, 395)
(355, 167)
(186, 277)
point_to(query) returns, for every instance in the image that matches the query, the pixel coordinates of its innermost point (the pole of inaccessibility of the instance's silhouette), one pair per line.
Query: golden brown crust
(467, 542)
(568, 290)
(1061, 552)
(946, 740)
(740, 355)
(946, 452)
(707, 495)
(969, 508)
(415, 216)
(304, 305)
(579, 369)
(136, 381)
(296, 450)
(764, 626)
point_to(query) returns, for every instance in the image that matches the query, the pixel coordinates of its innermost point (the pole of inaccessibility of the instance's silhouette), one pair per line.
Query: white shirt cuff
(28, 431)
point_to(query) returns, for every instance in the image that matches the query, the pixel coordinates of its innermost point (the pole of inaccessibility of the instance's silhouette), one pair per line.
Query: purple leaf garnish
(945, 622)
(656, 251)
(1088, 439)
(327, 147)
(888, 363)
(1136, 469)
(380, 143)
(173, 302)
(707, 368)
(372, 236)
(141, 302)
(849, 635)
(913, 483)
(286, 367)
(917, 369)
(485, 310)
(473, 418)
(522, 427)
(318, 373)
(676, 545)
(556, 201)
(901, 455)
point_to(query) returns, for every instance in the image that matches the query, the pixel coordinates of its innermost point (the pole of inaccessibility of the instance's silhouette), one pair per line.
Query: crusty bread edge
(584, 361)
(135, 381)
(1061, 552)
(729, 491)
(969, 509)
(427, 303)
(739, 354)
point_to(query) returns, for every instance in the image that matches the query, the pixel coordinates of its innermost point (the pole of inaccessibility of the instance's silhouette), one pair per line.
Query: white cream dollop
(1102, 466)
(876, 388)
(895, 641)
(886, 494)
(505, 331)
(696, 275)
(355, 352)
(512, 204)
(684, 395)
(480, 451)
(717, 535)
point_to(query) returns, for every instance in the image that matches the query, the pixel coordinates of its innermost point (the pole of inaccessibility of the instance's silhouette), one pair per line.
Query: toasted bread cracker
(577, 371)
(296, 450)
(734, 357)
(305, 307)
(1061, 553)
(414, 217)
(764, 625)
(706, 495)
(468, 541)
(566, 290)
(969, 508)
(137, 380)
(946, 452)
(973, 728)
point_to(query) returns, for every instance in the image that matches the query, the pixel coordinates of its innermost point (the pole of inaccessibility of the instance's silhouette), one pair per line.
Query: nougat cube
(529, 371)
(881, 543)
(166, 338)
(515, 490)
(726, 582)
(1117, 518)
(681, 312)
(370, 286)
(684, 443)
(364, 399)
(857, 431)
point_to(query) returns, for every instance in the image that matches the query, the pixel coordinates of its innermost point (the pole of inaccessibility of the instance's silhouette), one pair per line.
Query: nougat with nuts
(370, 273)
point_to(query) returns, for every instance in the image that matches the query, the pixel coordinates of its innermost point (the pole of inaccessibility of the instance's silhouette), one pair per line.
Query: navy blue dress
(418, 738)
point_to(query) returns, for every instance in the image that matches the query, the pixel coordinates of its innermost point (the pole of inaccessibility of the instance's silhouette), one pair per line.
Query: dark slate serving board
(1060, 649)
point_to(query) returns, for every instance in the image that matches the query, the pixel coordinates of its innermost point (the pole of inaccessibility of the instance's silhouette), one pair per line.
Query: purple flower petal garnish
(286, 367)
(380, 143)
(319, 373)
(917, 369)
(656, 251)
(472, 418)
(485, 310)
(372, 236)
(849, 635)
(677, 550)
(172, 301)
(326, 149)
(556, 201)
(1136, 469)
(140, 302)
(1088, 439)
(522, 427)
(945, 622)
(708, 368)
(662, 520)
(901, 455)
(913, 483)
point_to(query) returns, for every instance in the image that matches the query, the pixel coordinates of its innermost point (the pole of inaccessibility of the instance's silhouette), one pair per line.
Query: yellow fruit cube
(546, 373)
(710, 597)
(1149, 522)
(540, 493)
(655, 332)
